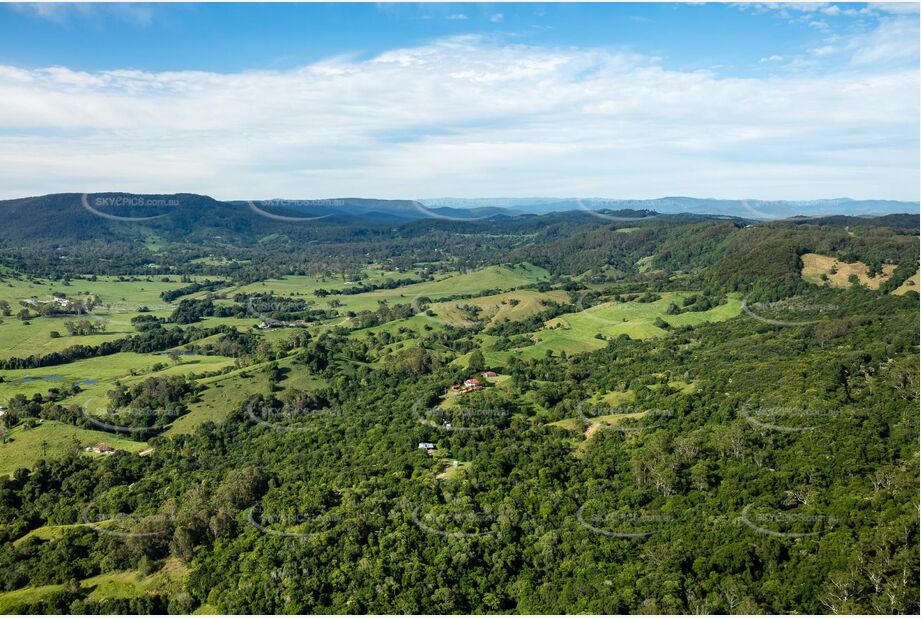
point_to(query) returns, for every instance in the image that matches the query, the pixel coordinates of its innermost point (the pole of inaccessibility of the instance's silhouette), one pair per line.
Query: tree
(477, 362)
(700, 475)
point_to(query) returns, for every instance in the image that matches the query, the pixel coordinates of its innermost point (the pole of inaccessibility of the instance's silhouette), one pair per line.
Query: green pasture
(120, 301)
(127, 367)
(475, 282)
(118, 584)
(22, 447)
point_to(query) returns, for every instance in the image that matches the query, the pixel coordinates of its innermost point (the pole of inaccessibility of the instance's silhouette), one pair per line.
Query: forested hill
(67, 218)
(71, 217)
(162, 234)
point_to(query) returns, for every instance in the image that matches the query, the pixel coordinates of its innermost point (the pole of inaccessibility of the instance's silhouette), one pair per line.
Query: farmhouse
(271, 323)
(100, 447)
(469, 385)
(428, 447)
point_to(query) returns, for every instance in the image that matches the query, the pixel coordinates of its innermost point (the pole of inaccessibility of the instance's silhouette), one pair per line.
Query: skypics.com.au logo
(259, 208)
(125, 202)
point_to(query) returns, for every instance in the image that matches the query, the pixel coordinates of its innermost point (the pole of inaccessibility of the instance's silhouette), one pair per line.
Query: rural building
(271, 323)
(100, 447)
(469, 385)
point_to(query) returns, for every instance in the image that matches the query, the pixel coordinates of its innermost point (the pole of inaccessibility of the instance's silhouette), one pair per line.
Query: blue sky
(768, 100)
(235, 37)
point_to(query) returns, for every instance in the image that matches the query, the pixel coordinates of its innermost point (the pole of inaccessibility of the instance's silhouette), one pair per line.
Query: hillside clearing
(838, 272)
(23, 447)
(910, 284)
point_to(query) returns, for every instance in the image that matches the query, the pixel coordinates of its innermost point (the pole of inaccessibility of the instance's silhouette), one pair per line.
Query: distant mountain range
(747, 209)
(381, 209)
(69, 217)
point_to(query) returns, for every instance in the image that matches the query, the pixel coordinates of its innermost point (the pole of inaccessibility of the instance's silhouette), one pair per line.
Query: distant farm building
(273, 323)
(469, 385)
(100, 447)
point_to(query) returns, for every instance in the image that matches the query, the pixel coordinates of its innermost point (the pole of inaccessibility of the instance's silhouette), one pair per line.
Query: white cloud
(902, 8)
(464, 117)
(496, 18)
(785, 9)
(790, 10)
(819, 24)
(457, 17)
(774, 58)
(896, 40)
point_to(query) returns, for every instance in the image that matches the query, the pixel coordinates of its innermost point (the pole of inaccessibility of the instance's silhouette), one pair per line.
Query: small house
(490, 374)
(428, 446)
(271, 323)
(100, 447)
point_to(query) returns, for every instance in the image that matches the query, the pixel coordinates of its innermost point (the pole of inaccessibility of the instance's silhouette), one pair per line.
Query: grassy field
(910, 284)
(120, 301)
(510, 306)
(119, 584)
(816, 265)
(23, 447)
(128, 584)
(48, 533)
(23, 339)
(103, 372)
(306, 285)
(618, 398)
(226, 392)
(9, 601)
(576, 332)
(475, 282)
(119, 294)
(223, 394)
